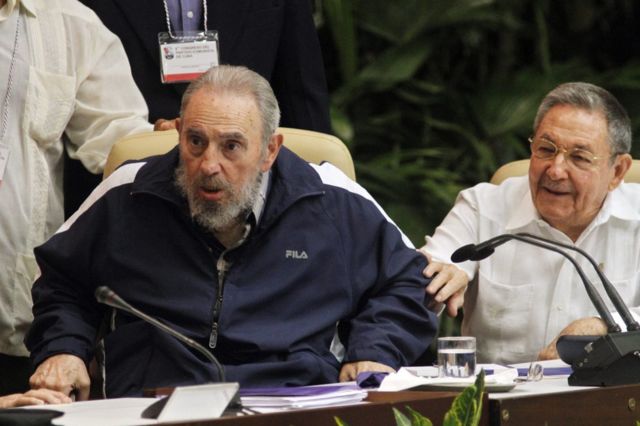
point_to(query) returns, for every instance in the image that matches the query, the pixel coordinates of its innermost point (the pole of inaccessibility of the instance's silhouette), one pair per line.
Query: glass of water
(457, 356)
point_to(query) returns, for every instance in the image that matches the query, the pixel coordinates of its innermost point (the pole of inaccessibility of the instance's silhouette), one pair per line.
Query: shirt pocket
(625, 285)
(505, 313)
(629, 291)
(49, 105)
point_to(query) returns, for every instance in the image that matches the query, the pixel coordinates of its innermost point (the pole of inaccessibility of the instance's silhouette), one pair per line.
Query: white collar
(523, 213)
(7, 9)
(261, 199)
(614, 205)
(11, 5)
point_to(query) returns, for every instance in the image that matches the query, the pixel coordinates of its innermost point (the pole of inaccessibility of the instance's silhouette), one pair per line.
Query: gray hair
(242, 81)
(593, 99)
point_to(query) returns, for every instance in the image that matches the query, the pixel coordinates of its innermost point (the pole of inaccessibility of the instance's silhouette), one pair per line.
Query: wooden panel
(598, 406)
(377, 412)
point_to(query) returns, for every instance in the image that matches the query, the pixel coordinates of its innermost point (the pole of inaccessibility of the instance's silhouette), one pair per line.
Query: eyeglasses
(580, 158)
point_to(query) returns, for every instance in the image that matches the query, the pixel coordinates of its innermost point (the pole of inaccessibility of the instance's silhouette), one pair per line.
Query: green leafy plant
(467, 407)
(465, 410)
(431, 96)
(416, 419)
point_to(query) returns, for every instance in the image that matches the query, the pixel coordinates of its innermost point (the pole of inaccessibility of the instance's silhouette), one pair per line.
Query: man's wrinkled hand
(163, 124)
(581, 327)
(448, 284)
(34, 397)
(64, 373)
(350, 370)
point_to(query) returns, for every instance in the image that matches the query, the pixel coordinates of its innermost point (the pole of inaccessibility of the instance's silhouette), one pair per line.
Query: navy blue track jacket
(322, 253)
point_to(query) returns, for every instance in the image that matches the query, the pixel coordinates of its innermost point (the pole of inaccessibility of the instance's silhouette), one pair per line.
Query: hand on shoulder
(448, 284)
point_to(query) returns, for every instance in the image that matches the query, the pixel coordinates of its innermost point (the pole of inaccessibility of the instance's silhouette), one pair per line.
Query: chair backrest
(314, 147)
(521, 168)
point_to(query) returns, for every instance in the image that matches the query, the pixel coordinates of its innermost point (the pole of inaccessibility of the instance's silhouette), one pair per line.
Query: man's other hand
(350, 370)
(64, 373)
(581, 327)
(163, 124)
(448, 284)
(34, 397)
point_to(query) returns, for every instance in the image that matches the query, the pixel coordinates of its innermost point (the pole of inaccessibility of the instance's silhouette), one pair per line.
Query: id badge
(187, 55)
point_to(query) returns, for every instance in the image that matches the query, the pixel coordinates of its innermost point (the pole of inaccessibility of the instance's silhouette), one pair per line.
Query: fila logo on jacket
(295, 254)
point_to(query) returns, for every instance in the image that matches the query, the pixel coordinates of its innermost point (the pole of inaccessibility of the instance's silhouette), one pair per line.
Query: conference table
(550, 401)
(525, 405)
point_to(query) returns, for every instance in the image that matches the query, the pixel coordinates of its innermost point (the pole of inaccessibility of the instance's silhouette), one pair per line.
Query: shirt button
(190, 14)
(558, 308)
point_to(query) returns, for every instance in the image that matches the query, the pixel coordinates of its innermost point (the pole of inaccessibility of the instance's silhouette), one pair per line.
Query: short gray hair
(242, 81)
(591, 98)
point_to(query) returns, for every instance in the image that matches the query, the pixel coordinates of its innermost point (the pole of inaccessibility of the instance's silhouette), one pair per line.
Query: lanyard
(7, 96)
(166, 13)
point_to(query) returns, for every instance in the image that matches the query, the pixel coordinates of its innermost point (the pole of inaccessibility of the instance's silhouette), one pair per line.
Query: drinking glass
(456, 356)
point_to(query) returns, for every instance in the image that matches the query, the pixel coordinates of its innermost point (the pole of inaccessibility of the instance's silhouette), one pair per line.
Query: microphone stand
(609, 360)
(108, 297)
(611, 291)
(223, 395)
(486, 249)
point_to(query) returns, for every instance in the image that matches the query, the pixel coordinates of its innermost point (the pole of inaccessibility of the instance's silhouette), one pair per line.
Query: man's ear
(271, 152)
(178, 123)
(620, 168)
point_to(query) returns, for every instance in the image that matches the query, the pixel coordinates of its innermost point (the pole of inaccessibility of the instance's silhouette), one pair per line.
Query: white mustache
(213, 184)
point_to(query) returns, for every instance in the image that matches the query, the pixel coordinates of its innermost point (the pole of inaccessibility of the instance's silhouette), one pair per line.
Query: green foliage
(339, 421)
(431, 96)
(416, 419)
(466, 409)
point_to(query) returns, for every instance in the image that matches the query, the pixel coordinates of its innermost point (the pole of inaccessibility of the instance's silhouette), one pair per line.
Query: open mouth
(211, 194)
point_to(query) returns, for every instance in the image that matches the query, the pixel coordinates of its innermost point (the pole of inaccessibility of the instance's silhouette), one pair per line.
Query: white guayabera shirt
(522, 296)
(71, 80)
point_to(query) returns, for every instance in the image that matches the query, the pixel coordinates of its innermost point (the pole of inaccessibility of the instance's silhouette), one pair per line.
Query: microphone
(479, 251)
(609, 288)
(609, 360)
(108, 297)
(485, 249)
(221, 396)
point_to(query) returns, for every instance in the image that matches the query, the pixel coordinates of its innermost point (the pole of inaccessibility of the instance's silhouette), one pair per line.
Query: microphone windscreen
(103, 294)
(463, 253)
(483, 253)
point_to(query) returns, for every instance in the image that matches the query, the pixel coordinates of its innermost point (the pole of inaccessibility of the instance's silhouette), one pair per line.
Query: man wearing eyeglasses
(522, 297)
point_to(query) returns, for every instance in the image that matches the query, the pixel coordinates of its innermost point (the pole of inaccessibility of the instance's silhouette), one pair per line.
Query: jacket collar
(292, 179)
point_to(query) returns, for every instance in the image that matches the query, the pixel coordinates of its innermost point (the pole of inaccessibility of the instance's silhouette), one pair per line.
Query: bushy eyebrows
(576, 146)
(233, 136)
(194, 131)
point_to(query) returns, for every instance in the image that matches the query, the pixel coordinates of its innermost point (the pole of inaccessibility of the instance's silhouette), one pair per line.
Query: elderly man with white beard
(236, 242)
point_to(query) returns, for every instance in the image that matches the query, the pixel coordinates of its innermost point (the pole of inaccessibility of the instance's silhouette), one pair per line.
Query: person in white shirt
(523, 297)
(63, 77)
